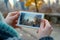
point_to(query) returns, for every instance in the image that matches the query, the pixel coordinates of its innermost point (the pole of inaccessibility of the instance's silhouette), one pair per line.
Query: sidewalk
(30, 34)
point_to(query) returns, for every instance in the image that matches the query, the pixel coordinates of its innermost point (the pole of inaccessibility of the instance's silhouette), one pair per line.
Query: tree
(38, 3)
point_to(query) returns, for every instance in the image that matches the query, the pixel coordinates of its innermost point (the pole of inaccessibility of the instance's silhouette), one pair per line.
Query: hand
(12, 18)
(45, 29)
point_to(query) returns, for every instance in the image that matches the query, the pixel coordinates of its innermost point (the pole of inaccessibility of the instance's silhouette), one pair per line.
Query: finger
(12, 13)
(47, 26)
(16, 20)
(42, 23)
(47, 23)
(14, 23)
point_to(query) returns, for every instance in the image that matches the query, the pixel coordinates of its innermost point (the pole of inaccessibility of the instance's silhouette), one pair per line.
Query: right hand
(45, 29)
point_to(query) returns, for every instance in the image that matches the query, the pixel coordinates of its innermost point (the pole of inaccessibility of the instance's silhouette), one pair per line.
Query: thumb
(47, 26)
(12, 13)
(42, 23)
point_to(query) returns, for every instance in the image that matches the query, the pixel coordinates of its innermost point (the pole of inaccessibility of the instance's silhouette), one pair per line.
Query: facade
(57, 1)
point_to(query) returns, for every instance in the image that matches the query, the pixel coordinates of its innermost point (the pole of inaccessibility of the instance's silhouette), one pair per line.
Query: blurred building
(2, 6)
(49, 3)
(57, 1)
(6, 2)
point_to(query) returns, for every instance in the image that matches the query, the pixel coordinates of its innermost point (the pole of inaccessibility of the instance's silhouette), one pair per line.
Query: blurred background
(51, 9)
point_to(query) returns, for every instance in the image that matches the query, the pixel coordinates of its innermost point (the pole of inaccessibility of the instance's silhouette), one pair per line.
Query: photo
(30, 19)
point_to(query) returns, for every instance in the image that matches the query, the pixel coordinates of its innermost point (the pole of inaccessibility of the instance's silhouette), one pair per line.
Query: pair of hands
(44, 30)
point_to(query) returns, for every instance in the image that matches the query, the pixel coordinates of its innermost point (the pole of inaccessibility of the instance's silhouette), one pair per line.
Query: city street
(30, 34)
(50, 7)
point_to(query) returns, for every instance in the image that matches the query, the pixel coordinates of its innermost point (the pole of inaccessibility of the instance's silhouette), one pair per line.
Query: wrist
(41, 35)
(7, 21)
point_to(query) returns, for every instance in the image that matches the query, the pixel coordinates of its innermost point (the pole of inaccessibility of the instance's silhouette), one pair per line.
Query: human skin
(44, 30)
(12, 18)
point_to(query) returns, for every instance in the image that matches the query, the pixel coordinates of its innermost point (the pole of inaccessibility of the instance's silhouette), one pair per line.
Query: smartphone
(30, 19)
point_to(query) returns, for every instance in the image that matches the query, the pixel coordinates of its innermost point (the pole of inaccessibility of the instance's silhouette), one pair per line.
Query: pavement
(30, 34)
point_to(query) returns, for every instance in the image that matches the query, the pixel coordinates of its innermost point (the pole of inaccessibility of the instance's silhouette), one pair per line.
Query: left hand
(12, 18)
